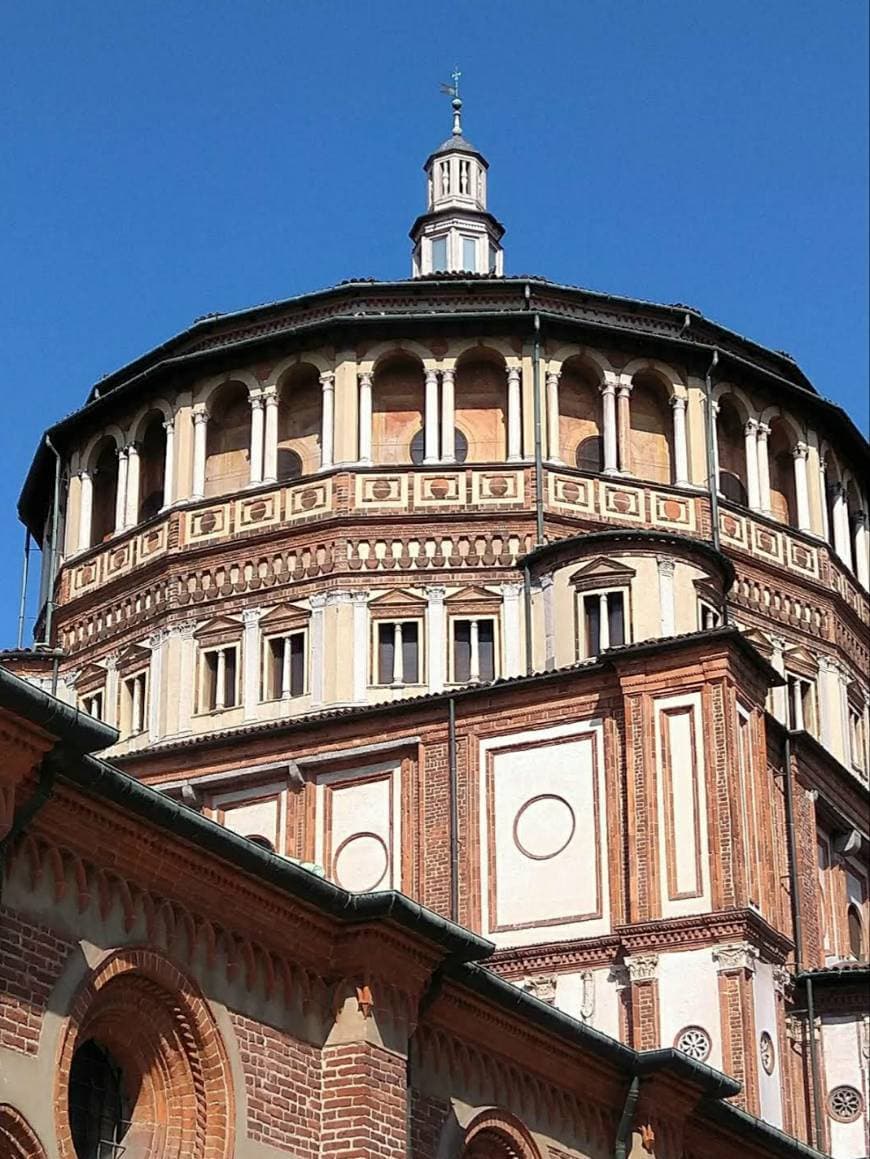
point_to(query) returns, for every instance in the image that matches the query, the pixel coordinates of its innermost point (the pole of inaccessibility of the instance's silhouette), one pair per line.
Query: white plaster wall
(264, 817)
(605, 999)
(769, 1085)
(689, 996)
(556, 897)
(844, 1064)
(364, 816)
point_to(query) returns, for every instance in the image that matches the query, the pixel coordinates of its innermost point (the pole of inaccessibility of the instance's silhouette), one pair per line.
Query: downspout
(52, 559)
(712, 474)
(797, 927)
(527, 600)
(536, 411)
(626, 1121)
(453, 782)
(25, 575)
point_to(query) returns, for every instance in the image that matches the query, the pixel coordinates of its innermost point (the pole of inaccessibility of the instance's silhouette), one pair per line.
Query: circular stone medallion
(361, 862)
(544, 826)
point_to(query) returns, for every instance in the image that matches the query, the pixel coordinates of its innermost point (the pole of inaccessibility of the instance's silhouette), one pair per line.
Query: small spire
(452, 90)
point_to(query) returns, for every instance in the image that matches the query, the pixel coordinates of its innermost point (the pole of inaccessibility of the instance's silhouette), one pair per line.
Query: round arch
(727, 390)
(498, 1134)
(780, 445)
(209, 389)
(669, 378)
(324, 365)
(499, 347)
(481, 402)
(228, 438)
(775, 414)
(300, 420)
(383, 351)
(580, 419)
(144, 414)
(112, 433)
(731, 448)
(18, 1140)
(650, 426)
(154, 1023)
(594, 357)
(397, 404)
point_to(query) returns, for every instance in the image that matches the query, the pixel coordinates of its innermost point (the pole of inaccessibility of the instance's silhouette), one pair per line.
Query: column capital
(255, 398)
(740, 956)
(200, 413)
(269, 394)
(511, 591)
(553, 377)
(750, 427)
(435, 593)
(610, 383)
(763, 431)
(364, 378)
(513, 373)
(317, 601)
(448, 375)
(169, 424)
(430, 375)
(121, 452)
(82, 473)
(643, 968)
(546, 581)
(624, 386)
(339, 596)
(156, 639)
(327, 380)
(252, 616)
(359, 598)
(800, 451)
(665, 564)
(678, 401)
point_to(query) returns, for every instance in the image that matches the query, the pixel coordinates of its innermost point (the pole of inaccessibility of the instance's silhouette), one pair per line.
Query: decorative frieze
(741, 956)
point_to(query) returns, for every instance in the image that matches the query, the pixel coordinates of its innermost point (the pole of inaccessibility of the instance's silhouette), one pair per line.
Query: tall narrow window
(219, 679)
(473, 650)
(285, 667)
(439, 253)
(98, 1110)
(93, 704)
(397, 659)
(708, 616)
(801, 703)
(134, 709)
(603, 622)
(469, 253)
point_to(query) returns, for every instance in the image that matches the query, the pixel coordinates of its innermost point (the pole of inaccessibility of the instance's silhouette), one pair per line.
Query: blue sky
(163, 161)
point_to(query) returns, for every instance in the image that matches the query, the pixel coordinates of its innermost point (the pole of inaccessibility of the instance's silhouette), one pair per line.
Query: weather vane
(453, 91)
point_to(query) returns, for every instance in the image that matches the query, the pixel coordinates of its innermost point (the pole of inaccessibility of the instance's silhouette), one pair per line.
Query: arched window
(152, 467)
(299, 422)
(856, 933)
(397, 408)
(98, 1111)
(783, 502)
(481, 405)
(418, 446)
(259, 839)
(228, 441)
(731, 447)
(105, 493)
(650, 436)
(497, 1134)
(580, 442)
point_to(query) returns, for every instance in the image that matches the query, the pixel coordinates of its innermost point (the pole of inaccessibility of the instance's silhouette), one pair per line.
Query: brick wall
(282, 1082)
(31, 960)
(364, 1103)
(428, 1116)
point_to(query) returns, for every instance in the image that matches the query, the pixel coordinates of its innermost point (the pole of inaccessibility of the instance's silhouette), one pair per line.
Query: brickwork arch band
(496, 1134)
(174, 1073)
(17, 1138)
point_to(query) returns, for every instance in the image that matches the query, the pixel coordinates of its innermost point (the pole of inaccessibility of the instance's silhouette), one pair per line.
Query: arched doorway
(228, 441)
(397, 407)
(580, 443)
(104, 475)
(650, 437)
(481, 405)
(299, 422)
(17, 1138)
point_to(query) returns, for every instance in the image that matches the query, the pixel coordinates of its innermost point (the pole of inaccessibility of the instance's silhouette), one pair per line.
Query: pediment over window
(397, 604)
(473, 600)
(759, 641)
(220, 630)
(803, 662)
(602, 573)
(285, 618)
(133, 658)
(91, 677)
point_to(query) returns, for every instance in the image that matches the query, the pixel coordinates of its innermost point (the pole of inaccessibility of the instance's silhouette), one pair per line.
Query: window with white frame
(801, 702)
(439, 253)
(396, 652)
(469, 253)
(284, 666)
(134, 703)
(219, 678)
(709, 616)
(857, 738)
(93, 703)
(473, 652)
(603, 621)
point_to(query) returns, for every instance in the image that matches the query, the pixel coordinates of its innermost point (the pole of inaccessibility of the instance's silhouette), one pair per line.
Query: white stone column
(713, 420)
(514, 417)
(270, 437)
(829, 704)
(608, 411)
(156, 643)
(131, 516)
(800, 453)
(623, 425)
(110, 697)
(750, 447)
(86, 510)
(360, 601)
(548, 602)
(430, 418)
(169, 466)
(251, 662)
(256, 456)
(398, 650)
(187, 675)
(327, 420)
(763, 469)
(603, 624)
(842, 544)
(510, 628)
(365, 419)
(121, 492)
(474, 650)
(318, 671)
(448, 417)
(553, 447)
(862, 550)
(667, 622)
(681, 449)
(136, 719)
(823, 486)
(779, 694)
(220, 692)
(200, 419)
(435, 642)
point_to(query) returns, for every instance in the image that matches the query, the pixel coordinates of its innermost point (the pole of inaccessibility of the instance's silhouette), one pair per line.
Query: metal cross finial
(453, 91)
(456, 74)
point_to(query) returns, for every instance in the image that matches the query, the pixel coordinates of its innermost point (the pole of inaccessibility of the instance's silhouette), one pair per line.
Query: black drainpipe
(712, 474)
(52, 558)
(453, 781)
(527, 601)
(25, 575)
(536, 411)
(626, 1122)
(797, 926)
